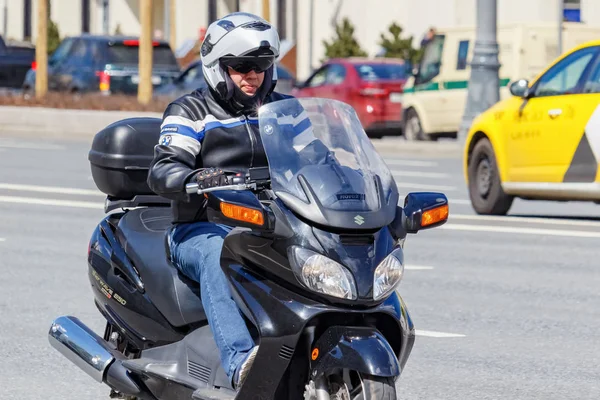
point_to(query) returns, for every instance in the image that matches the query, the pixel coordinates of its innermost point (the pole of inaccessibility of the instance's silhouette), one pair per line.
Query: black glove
(211, 177)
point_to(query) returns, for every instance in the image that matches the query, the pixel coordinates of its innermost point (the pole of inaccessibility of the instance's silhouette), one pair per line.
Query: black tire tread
(378, 388)
(497, 202)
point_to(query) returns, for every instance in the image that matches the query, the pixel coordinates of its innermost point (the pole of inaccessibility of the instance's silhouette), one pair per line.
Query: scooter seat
(142, 233)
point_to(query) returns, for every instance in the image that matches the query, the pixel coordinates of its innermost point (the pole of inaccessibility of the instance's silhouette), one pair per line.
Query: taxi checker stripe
(584, 165)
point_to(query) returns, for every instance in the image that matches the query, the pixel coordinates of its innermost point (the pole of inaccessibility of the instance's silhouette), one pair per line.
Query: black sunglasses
(245, 65)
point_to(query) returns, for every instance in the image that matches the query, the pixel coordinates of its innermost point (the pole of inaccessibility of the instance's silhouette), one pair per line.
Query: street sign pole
(172, 26)
(560, 25)
(41, 50)
(266, 10)
(145, 51)
(484, 83)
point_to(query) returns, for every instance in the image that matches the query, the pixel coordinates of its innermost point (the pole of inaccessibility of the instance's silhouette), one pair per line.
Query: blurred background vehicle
(15, 61)
(435, 97)
(109, 64)
(192, 78)
(372, 86)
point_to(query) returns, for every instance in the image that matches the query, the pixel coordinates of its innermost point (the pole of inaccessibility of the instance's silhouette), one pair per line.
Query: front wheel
(351, 386)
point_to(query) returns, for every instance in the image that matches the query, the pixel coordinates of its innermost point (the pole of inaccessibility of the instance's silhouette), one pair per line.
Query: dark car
(374, 87)
(15, 61)
(109, 64)
(192, 78)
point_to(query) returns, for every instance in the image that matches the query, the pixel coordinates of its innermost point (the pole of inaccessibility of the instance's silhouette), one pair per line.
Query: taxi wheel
(485, 190)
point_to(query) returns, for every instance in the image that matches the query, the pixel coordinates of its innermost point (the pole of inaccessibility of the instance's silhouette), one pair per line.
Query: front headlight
(322, 274)
(388, 274)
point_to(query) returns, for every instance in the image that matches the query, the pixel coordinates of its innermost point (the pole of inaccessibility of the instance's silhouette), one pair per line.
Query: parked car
(109, 64)
(372, 86)
(15, 61)
(192, 78)
(542, 142)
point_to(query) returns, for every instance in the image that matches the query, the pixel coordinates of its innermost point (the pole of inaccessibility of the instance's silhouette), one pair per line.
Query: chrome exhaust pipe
(80, 345)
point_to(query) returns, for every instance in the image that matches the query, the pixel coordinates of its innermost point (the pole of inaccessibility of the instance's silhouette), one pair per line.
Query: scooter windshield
(323, 165)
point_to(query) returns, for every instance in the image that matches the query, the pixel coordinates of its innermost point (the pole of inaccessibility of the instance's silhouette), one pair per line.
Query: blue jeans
(195, 251)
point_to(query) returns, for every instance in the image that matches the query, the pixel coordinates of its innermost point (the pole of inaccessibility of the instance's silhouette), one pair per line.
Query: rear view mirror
(519, 88)
(424, 210)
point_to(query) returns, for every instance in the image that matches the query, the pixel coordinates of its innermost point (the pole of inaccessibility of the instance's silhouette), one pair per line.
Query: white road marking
(2, 240)
(52, 202)
(437, 334)
(419, 174)
(417, 267)
(411, 163)
(50, 189)
(520, 230)
(30, 146)
(541, 220)
(438, 188)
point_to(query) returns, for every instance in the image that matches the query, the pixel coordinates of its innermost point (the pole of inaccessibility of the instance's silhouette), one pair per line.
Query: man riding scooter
(204, 136)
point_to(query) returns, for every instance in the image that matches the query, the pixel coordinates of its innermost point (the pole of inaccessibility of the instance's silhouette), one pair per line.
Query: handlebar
(194, 188)
(255, 178)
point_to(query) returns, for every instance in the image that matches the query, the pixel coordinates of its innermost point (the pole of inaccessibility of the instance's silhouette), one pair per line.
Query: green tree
(343, 44)
(397, 47)
(53, 36)
(53, 33)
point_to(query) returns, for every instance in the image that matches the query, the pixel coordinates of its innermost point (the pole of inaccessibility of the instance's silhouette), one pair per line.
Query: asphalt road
(505, 308)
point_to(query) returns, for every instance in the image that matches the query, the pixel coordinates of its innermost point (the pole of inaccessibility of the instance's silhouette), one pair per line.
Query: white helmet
(242, 41)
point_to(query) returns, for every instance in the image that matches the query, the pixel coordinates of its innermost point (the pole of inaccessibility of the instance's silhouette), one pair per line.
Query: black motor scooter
(313, 262)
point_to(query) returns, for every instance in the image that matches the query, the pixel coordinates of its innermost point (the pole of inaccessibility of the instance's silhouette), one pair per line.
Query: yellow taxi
(541, 143)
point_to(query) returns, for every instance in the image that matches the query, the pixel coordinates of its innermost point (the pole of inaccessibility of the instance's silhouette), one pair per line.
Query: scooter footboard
(361, 349)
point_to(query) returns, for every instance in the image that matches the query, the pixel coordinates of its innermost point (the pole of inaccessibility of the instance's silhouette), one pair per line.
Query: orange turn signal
(435, 215)
(242, 213)
(315, 354)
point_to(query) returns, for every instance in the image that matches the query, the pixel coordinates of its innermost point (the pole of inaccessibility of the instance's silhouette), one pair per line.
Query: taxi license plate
(396, 97)
(156, 80)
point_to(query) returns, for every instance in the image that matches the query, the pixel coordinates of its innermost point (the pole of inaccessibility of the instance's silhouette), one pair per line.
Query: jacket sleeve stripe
(174, 129)
(175, 120)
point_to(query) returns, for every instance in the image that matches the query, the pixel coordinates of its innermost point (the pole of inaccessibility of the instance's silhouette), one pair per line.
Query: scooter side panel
(193, 362)
(130, 311)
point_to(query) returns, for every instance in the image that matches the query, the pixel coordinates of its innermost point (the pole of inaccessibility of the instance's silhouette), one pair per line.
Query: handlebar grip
(191, 188)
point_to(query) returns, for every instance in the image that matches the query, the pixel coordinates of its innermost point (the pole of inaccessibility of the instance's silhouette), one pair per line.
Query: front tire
(352, 385)
(485, 188)
(377, 388)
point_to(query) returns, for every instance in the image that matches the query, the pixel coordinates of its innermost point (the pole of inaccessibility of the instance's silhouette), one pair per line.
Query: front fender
(360, 349)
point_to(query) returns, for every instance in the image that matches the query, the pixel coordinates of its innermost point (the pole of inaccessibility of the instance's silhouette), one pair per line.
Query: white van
(434, 99)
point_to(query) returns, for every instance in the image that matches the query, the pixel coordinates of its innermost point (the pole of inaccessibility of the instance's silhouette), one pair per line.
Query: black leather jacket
(199, 132)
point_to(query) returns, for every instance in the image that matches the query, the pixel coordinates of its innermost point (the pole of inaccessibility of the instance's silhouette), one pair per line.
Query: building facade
(303, 24)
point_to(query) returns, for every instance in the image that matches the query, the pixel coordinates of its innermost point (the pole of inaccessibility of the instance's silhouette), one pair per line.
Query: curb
(60, 123)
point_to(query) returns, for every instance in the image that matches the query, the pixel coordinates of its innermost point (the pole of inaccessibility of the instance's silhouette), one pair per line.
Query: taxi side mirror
(520, 88)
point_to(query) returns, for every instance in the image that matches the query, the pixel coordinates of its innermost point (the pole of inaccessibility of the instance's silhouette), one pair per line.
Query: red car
(372, 86)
